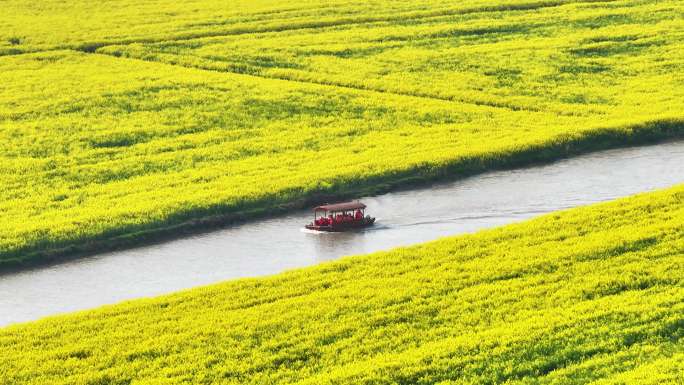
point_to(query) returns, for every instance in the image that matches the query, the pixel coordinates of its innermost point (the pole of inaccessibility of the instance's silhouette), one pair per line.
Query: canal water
(273, 245)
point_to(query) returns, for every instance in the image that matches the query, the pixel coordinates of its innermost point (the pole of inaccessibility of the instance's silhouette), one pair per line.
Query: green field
(123, 120)
(590, 295)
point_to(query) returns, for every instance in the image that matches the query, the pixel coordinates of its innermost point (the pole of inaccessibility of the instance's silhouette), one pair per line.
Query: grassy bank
(185, 223)
(592, 294)
(115, 130)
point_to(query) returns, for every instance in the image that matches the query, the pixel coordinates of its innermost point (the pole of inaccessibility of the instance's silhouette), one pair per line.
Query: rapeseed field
(589, 295)
(120, 120)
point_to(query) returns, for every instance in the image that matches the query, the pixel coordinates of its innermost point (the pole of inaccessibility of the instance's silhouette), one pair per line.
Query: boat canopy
(347, 206)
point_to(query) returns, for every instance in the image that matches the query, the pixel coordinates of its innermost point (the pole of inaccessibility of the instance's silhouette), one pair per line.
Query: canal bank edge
(189, 222)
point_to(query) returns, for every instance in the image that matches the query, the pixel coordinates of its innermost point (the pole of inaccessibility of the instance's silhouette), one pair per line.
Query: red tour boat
(340, 217)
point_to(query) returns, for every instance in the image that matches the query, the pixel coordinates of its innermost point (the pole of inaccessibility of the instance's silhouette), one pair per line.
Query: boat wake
(308, 231)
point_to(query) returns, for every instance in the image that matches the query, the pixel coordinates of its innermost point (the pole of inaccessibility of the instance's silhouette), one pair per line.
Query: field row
(84, 25)
(590, 294)
(578, 59)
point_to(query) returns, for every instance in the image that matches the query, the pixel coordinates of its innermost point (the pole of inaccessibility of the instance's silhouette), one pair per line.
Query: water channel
(273, 245)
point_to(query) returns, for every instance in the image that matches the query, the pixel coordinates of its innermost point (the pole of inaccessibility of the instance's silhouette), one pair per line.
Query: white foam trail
(305, 230)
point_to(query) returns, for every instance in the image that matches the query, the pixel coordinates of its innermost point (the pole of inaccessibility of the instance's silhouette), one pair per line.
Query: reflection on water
(325, 244)
(405, 217)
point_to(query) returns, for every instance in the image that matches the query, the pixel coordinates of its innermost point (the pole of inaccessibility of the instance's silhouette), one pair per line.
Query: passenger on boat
(358, 215)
